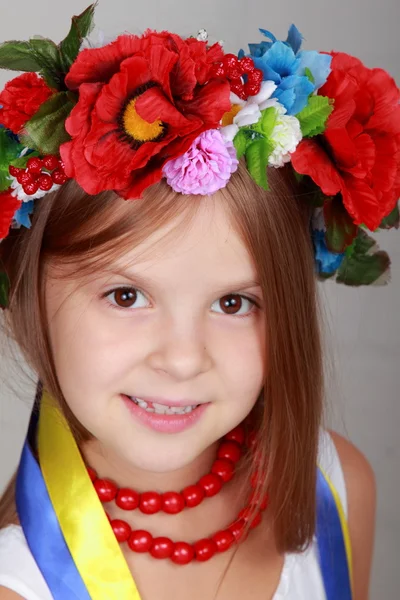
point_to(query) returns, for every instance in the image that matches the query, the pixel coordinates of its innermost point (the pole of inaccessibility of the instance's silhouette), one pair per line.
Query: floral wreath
(125, 114)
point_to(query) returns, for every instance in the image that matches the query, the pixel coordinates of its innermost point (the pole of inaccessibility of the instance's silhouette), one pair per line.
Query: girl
(165, 294)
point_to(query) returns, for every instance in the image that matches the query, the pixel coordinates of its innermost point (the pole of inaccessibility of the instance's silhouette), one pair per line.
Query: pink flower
(205, 168)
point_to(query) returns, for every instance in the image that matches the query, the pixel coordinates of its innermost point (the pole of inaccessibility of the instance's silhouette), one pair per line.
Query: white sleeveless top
(300, 578)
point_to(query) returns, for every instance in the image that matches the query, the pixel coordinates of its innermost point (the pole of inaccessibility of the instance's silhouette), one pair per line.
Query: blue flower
(285, 64)
(326, 262)
(22, 214)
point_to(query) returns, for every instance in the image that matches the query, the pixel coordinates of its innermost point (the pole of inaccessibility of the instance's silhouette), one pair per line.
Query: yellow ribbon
(344, 524)
(86, 529)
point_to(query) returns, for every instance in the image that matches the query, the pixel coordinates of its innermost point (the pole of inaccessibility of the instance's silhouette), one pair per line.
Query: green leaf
(340, 229)
(314, 116)
(267, 122)
(309, 75)
(47, 55)
(257, 155)
(4, 290)
(392, 220)
(45, 131)
(9, 151)
(364, 263)
(17, 56)
(240, 142)
(81, 26)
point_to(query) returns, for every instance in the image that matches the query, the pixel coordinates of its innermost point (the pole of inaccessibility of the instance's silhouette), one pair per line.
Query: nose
(181, 350)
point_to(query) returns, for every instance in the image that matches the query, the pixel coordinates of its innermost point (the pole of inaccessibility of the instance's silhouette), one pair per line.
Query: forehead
(205, 242)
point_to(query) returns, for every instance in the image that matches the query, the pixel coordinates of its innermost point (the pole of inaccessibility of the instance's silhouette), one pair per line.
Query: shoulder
(6, 594)
(360, 485)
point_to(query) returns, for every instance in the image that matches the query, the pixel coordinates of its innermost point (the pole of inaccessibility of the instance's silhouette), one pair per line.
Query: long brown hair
(72, 227)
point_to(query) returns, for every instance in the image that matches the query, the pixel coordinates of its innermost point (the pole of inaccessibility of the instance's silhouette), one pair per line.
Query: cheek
(242, 359)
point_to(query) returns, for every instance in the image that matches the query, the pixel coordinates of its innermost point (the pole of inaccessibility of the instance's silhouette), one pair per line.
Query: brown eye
(126, 298)
(231, 304)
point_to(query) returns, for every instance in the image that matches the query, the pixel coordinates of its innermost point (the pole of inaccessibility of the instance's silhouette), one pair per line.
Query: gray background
(363, 325)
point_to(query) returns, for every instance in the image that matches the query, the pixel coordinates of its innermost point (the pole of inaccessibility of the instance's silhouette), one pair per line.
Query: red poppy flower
(142, 101)
(8, 206)
(21, 99)
(359, 153)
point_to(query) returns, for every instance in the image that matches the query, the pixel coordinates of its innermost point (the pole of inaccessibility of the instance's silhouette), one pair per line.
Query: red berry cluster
(40, 174)
(234, 69)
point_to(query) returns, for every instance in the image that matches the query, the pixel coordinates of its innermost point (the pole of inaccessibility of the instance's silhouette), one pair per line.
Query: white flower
(202, 35)
(286, 135)
(250, 111)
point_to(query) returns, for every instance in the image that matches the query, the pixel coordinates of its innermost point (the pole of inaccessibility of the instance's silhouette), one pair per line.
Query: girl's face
(178, 319)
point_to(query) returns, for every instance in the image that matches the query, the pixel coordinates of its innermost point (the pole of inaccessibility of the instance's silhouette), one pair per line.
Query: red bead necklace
(181, 553)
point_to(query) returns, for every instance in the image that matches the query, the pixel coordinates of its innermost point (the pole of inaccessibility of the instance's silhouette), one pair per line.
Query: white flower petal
(228, 132)
(234, 99)
(272, 102)
(266, 91)
(249, 115)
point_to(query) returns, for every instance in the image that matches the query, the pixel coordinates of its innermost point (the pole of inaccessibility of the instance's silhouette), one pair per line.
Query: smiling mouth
(162, 409)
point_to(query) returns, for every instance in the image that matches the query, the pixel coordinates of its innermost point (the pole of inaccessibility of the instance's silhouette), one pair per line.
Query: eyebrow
(147, 283)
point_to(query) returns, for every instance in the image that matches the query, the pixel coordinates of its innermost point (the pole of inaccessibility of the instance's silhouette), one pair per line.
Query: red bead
(247, 64)
(92, 473)
(237, 88)
(223, 540)
(218, 71)
(45, 182)
(252, 89)
(205, 549)
(224, 468)
(59, 177)
(150, 503)
(211, 484)
(236, 435)
(34, 165)
(183, 553)
(162, 547)
(140, 541)
(230, 451)
(264, 502)
(31, 188)
(127, 499)
(106, 490)
(237, 529)
(121, 530)
(50, 162)
(24, 177)
(255, 499)
(254, 479)
(232, 66)
(173, 503)
(15, 171)
(193, 495)
(256, 520)
(256, 76)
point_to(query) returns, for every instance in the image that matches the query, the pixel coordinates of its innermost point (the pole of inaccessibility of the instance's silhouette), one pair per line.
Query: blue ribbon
(331, 547)
(42, 531)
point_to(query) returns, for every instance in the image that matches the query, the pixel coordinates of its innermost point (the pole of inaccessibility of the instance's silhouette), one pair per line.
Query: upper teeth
(162, 409)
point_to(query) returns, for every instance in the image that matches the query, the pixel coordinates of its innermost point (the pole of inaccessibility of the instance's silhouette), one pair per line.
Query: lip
(165, 423)
(167, 401)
